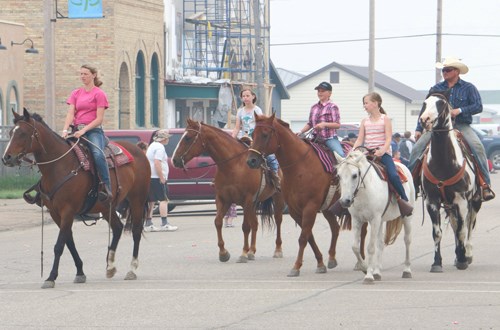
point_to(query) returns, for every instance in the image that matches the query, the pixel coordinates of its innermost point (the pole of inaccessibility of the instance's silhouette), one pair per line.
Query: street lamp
(30, 50)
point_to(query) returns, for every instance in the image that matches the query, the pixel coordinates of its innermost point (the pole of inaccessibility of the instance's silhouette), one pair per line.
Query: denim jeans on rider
(98, 142)
(334, 145)
(393, 175)
(272, 162)
(469, 135)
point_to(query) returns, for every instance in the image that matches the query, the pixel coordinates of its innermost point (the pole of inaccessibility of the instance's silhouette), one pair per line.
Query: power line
(387, 38)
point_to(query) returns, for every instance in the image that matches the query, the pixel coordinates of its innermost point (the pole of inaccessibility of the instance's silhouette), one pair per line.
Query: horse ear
(26, 114)
(338, 157)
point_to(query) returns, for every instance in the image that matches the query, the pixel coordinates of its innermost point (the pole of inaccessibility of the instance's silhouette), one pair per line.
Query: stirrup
(487, 194)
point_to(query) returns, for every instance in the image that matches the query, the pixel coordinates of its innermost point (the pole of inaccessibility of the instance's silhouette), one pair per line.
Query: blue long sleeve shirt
(463, 95)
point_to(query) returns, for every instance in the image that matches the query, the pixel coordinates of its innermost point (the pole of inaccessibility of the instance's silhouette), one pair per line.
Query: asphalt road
(182, 285)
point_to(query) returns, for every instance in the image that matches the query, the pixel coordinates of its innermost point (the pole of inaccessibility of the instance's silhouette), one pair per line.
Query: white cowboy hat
(453, 62)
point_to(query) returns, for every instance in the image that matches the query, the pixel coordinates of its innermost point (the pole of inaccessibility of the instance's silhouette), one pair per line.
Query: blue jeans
(393, 175)
(334, 145)
(472, 139)
(98, 142)
(272, 162)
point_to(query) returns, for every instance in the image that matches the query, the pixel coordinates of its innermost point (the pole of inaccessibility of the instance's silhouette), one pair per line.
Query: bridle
(361, 178)
(442, 115)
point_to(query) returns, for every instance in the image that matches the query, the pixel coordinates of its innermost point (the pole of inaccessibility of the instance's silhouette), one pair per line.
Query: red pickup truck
(190, 187)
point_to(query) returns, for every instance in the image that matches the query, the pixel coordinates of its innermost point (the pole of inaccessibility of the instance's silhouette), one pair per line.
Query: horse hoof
(462, 265)
(321, 270)
(406, 275)
(80, 279)
(377, 277)
(278, 254)
(436, 269)
(361, 267)
(224, 257)
(469, 260)
(242, 260)
(111, 272)
(48, 285)
(368, 280)
(251, 256)
(130, 276)
(332, 264)
(294, 273)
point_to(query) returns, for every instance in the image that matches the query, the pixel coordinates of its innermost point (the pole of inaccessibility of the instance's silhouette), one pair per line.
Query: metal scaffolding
(223, 39)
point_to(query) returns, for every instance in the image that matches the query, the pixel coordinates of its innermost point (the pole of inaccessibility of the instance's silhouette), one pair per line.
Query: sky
(410, 60)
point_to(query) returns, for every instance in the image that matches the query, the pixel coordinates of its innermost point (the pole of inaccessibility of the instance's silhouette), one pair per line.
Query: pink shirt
(375, 134)
(86, 104)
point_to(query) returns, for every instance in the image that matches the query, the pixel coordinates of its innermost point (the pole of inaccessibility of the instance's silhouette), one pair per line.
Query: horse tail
(392, 230)
(266, 211)
(124, 210)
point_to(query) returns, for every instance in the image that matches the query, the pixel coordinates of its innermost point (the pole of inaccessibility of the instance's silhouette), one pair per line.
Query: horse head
(349, 172)
(436, 111)
(190, 145)
(265, 140)
(23, 138)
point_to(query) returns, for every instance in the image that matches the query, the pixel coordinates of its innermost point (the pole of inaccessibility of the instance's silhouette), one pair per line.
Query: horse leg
(64, 233)
(80, 276)
(433, 210)
(278, 218)
(137, 218)
(356, 231)
(307, 221)
(335, 229)
(379, 250)
(460, 237)
(117, 228)
(372, 258)
(249, 226)
(254, 225)
(224, 255)
(364, 231)
(407, 239)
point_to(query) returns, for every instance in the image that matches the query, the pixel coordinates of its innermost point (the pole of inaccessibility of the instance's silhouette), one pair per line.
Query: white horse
(369, 199)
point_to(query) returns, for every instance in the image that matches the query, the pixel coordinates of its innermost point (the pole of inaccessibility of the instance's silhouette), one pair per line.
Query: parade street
(182, 284)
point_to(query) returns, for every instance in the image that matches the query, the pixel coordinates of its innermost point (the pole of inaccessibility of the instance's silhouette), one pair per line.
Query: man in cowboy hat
(466, 102)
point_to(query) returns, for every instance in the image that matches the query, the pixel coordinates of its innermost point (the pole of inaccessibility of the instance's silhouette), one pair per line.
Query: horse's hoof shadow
(111, 272)
(224, 257)
(436, 269)
(294, 273)
(130, 276)
(332, 264)
(406, 275)
(80, 279)
(321, 270)
(242, 260)
(48, 285)
(377, 277)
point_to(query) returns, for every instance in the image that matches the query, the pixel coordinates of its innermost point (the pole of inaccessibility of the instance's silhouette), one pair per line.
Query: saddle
(116, 156)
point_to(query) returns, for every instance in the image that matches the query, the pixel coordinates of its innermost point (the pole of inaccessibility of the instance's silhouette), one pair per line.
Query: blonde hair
(93, 70)
(375, 97)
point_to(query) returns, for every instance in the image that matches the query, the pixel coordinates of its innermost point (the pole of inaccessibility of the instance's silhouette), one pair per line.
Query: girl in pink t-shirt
(86, 114)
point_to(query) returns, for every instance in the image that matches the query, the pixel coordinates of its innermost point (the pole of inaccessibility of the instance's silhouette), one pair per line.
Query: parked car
(185, 187)
(345, 129)
(491, 144)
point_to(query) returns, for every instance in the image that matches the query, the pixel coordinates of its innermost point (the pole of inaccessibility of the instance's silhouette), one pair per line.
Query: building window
(334, 77)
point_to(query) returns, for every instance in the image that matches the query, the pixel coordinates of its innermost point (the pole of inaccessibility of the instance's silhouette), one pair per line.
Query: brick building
(126, 45)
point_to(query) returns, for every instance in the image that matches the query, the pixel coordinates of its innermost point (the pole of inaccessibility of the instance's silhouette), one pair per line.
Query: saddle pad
(382, 173)
(324, 157)
(121, 155)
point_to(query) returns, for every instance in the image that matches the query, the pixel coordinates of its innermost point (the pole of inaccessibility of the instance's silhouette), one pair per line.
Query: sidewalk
(17, 214)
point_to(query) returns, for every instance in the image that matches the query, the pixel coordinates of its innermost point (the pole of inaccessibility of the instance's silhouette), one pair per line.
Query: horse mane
(36, 117)
(283, 123)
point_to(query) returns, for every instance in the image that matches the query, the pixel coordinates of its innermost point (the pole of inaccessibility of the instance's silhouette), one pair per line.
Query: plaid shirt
(327, 112)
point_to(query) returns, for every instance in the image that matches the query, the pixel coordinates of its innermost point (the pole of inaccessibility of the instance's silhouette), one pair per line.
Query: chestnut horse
(65, 186)
(234, 183)
(307, 187)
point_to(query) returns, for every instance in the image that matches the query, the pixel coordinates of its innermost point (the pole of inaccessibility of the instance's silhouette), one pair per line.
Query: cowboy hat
(454, 63)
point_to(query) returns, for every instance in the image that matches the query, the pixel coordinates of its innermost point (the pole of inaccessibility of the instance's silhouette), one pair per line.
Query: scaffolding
(225, 39)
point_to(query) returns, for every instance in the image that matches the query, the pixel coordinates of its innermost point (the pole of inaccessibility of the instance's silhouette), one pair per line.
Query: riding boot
(104, 194)
(486, 193)
(405, 207)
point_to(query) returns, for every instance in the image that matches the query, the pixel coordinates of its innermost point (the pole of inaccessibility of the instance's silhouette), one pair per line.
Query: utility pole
(50, 75)
(371, 49)
(259, 58)
(439, 25)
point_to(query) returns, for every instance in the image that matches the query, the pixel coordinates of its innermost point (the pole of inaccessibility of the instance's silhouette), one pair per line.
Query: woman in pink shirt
(375, 132)
(86, 114)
